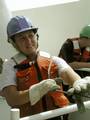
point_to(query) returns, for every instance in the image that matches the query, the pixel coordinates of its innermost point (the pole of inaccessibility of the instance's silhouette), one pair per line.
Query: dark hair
(13, 37)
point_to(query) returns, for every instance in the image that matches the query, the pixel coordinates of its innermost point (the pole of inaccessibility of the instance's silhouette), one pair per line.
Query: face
(85, 42)
(27, 43)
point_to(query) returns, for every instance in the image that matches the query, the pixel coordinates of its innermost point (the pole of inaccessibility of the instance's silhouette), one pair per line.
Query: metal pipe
(15, 114)
(56, 112)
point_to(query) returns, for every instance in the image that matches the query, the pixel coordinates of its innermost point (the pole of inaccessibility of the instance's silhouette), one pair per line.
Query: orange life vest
(76, 49)
(80, 54)
(28, 77)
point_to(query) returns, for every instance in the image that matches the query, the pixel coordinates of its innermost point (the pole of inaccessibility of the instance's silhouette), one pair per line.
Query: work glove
(82, 85)
(79, 89)
(37, 91)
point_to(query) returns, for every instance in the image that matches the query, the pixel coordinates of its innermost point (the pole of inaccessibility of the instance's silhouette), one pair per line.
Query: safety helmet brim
(26, 29)
(19, 24)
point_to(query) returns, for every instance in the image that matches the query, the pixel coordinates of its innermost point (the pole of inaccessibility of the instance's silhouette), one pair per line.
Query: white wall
(4, 110)
(5, 52)
(56, 23)
(5, 49)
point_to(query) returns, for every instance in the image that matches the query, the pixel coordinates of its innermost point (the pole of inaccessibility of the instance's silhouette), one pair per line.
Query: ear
(37, 36)
(13, 43)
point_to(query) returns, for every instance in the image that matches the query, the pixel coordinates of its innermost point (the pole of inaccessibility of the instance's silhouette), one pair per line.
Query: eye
(22, 38)
(31, 36)
(19, 38)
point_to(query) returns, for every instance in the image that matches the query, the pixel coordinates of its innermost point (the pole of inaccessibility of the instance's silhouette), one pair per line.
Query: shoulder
(44, 58)
(67, 46)
(8, 74)
(8, 68)
(18, 58)
(59, 61)
(9, 63)
(44, 54)
(62, 65)
(68, 42)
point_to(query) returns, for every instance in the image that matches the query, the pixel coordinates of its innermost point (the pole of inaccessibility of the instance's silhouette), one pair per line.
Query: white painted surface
(15, 114)
(4, 110)
(5, 48)
(80, 116)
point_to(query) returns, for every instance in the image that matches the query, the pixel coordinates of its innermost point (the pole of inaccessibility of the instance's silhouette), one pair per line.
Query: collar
(20, 57)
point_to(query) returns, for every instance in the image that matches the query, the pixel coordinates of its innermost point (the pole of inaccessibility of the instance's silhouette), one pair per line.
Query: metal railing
(15, 113)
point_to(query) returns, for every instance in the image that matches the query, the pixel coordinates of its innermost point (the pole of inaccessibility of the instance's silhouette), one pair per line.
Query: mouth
(29, 47)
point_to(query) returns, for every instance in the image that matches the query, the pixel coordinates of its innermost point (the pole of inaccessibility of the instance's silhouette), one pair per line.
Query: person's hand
(81, 85)
(37, 91)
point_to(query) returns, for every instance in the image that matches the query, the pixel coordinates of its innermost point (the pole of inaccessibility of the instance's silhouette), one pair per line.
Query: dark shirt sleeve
(66, 51)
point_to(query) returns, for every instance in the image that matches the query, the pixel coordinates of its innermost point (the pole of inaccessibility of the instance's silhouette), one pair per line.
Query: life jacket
(86, 54)
(76, 48)
(80, 54)
(30, 75)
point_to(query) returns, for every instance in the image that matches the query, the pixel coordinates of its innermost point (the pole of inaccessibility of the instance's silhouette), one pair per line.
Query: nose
(28, 39)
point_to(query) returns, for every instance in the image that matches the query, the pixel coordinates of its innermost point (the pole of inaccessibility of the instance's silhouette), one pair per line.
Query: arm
(15, 97)
(32, 95)
(66, 52)
(77, 65)
(65, 71)
(8, 85)
(71, 77)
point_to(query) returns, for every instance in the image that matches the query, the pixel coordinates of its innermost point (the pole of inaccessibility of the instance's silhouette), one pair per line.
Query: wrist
(34, 94)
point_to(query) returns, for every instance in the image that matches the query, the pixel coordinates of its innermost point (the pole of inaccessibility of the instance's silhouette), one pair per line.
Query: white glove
(81, 85)
(37, 91)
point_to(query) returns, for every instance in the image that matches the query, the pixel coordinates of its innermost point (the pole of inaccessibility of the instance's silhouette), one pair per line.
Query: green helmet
(85, 32)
